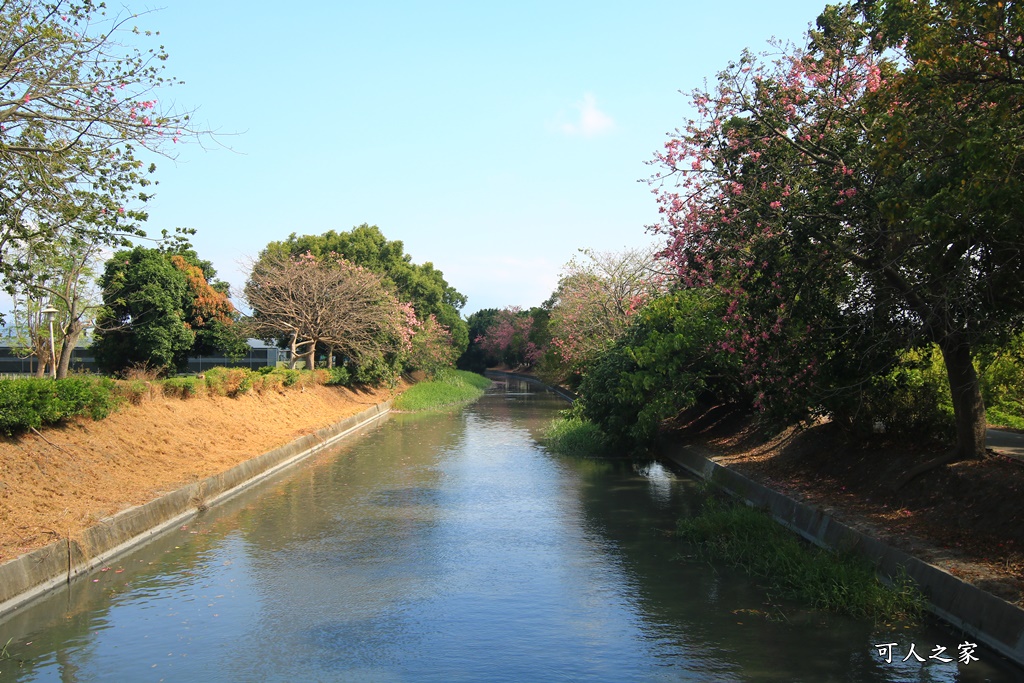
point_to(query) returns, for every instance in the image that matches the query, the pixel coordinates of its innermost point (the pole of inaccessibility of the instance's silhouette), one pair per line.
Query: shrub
(182, 387)
(289, 376)
(1001, 373)
(31, 403)
(230, 382)
(142, 371)
(665, 362)
(103, 400)
(134, 390)
(339, 376)
(912, 400)
(378, 371)
(267, 381)
(572, 435)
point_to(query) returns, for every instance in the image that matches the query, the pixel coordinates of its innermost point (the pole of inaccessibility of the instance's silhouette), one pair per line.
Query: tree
(423, 286)
(595, 300)
(431, 347)
(509, 338)
(59, 272)
(159, 310)
(329, 302)
(951, 150)
(665, 362)
(75, 104)
(475, 358)
(823, 204)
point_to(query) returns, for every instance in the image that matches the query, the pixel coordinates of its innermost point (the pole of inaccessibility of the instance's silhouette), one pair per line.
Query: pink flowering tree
(78, 97)
(811, 188)
(595, 300)
(754, 195)
(509, 338)
(431, 348)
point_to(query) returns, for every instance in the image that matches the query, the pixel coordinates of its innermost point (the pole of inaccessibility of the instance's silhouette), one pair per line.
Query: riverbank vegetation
(751, 540)
(355, 299)
(445, 389)
(569, 434)
(824, 257)
(30, 403)
(841, 264)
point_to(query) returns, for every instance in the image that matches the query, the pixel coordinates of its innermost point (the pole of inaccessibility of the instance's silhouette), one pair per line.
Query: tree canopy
(365, 245)
(858, 197)
(158, 311)
(594, 301)
(328, 301)
(78, 99)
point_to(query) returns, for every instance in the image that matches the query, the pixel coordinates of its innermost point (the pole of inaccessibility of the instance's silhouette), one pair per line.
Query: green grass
(448, 388)
(750, 539)
(575, 436)
(998, 417)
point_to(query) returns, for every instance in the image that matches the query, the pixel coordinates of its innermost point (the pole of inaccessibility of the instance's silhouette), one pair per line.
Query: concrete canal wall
(981, 615)
(34, 574)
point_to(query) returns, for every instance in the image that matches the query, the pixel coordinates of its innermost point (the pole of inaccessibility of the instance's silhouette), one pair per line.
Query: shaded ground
(967, 518)
(55, 484)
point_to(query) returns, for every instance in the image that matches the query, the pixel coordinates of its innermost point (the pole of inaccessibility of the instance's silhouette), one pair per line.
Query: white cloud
(591, 121)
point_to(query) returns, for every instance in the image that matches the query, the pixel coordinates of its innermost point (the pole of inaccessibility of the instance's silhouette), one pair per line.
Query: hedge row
(31, 403)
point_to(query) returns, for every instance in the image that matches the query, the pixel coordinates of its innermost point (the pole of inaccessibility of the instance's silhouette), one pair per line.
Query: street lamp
(48, 314)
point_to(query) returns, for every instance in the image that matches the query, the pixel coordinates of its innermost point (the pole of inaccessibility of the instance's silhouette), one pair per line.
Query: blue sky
(493, 139)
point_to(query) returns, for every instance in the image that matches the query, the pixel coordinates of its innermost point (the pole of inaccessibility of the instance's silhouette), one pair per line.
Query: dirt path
(55, 484)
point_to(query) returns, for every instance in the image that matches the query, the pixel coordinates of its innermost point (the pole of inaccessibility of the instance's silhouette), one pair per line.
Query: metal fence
(82, 360)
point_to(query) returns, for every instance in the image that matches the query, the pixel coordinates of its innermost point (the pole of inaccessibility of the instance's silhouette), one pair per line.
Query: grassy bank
(750, 539)
(572, 435)
(448, 388)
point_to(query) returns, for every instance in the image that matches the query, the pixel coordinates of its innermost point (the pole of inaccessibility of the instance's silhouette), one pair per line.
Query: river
(451, 547)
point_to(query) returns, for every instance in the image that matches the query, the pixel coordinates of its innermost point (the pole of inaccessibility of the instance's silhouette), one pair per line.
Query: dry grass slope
(55, 484)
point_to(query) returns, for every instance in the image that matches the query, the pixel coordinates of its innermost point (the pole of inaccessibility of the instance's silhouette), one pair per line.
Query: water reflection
(445, 547)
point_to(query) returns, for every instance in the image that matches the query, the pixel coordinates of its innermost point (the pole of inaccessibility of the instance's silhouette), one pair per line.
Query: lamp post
(48, 314)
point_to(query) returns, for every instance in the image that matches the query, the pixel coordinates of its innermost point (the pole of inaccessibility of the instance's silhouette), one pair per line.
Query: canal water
(451, 547)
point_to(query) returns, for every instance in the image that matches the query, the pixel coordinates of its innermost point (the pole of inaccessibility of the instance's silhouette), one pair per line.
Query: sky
(493, 139)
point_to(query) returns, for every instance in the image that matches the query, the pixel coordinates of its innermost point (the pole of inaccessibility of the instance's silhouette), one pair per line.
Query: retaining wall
(34, 574)
(986, 618)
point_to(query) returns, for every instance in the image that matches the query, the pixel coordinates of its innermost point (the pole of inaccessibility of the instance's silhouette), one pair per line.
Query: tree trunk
(71, 336)
(968, 406)
(310, 357)
(293, 358)
(968, 411)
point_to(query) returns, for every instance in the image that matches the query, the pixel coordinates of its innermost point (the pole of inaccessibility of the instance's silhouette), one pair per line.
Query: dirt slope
(54, 484)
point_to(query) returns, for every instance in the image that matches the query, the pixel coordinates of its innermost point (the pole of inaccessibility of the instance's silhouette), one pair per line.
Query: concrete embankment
(984, 617)
(34, 574)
